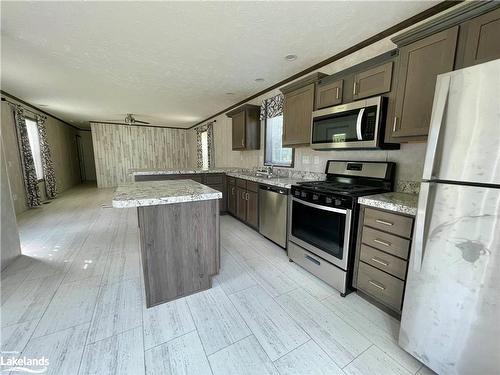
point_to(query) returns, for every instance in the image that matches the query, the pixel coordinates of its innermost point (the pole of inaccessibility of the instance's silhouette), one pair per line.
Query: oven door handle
(319, 207)
(359, 121)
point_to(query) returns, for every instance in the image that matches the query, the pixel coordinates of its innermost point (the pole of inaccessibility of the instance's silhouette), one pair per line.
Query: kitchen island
(179, 235)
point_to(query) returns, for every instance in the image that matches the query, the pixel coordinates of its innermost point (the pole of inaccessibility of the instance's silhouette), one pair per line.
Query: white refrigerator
(451, 311)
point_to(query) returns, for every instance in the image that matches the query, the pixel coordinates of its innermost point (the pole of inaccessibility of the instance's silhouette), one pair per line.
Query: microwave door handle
(359, 121)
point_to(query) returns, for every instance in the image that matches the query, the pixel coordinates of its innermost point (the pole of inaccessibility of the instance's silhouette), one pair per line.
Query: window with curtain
(275, 154)
(34, 141)
(271, 112)
(204, 149)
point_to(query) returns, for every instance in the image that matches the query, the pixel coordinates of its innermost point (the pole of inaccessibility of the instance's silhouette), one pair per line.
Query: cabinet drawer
(383, 261)
(385, 288)
(253, 186)
(322, 269)
(388, 222)
(214, 179)
(386, 242)
(231, 180)
(241, 183)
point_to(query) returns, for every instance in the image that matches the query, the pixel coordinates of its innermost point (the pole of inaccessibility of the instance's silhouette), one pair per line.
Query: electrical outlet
(14, 196)
(305, 159)
(316, 160)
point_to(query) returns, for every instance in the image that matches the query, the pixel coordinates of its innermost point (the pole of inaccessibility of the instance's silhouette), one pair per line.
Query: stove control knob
(328, 200)
(296, 193)
(315, 197)
(337, 202)
(303, 194)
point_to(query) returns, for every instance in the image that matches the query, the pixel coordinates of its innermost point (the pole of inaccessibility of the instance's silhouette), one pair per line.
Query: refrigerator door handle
(438, 110)
(420, 223)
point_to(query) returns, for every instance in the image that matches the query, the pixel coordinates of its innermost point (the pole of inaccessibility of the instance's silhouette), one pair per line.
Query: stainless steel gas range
(323, 218)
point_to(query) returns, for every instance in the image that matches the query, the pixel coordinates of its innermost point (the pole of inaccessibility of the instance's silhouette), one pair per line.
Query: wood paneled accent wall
(119, 148)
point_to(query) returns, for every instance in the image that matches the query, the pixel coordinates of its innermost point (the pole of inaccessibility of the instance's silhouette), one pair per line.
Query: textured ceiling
(171, 63)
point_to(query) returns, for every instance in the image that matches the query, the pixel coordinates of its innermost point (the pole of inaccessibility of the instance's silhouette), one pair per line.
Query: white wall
(10, 247)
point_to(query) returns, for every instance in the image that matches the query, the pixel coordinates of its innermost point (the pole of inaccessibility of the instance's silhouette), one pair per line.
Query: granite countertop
(148, 172)
(283, 182)
(404, 203)
(152, 193)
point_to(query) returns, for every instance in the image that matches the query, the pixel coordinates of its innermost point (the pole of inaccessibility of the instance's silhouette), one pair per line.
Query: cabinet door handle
(354, 89)
(382, 242)
(242, 142)
(337, 94)
(388, 223)
(248, 196)
(377, 285)
(395, 123)
(376, 260)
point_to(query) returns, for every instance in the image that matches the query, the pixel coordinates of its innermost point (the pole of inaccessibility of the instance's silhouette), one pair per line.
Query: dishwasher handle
(274, 189)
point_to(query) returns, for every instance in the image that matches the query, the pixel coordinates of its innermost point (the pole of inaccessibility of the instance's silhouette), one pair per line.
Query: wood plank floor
(77, 297)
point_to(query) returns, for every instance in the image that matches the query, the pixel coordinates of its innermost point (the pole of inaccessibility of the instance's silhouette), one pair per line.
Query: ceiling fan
(128, 120)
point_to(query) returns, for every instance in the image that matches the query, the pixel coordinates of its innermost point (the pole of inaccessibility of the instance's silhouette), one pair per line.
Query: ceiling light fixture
(259, 79)
(43, 105)
(229, 93)
(291, 57)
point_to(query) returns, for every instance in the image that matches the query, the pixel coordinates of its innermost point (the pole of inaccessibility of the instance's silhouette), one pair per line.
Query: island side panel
(179, 248)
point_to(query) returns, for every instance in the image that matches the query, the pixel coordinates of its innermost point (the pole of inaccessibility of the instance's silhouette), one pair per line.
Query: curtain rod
(24, 107)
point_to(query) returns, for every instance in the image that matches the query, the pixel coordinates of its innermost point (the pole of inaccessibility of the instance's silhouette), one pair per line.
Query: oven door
(353, 125)
(325, 231)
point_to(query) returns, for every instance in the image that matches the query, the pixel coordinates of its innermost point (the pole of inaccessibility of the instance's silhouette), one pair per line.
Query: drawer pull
(317, 262)
(389, 224)
(382, 242)
(377, 285)
(376, 260)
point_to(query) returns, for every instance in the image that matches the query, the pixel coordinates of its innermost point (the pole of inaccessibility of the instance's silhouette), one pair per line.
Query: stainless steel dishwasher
(273, 204)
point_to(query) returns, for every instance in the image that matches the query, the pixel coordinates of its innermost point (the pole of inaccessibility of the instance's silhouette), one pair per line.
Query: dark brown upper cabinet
(245, 127)
(479, 40)
(373, 81)
(329, 94)
(297, 110)
(420, 63)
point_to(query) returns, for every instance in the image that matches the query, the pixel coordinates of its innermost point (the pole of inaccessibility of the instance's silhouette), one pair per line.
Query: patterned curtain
(209, 128)
(47, 164)
(272, 107)
(29, 172)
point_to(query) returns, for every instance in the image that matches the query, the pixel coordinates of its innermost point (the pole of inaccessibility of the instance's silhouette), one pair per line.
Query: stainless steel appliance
(323, 215)
(353, 125)
(450, 318)
(272, 213)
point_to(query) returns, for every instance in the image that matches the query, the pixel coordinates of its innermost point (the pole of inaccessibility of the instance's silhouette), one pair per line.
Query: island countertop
(152, 193)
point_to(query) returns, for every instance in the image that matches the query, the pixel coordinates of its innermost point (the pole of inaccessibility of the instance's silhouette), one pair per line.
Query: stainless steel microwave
(349, 126)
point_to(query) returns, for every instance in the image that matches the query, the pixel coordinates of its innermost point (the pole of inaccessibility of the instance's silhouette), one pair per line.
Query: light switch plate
(316, 160)
(305, 159)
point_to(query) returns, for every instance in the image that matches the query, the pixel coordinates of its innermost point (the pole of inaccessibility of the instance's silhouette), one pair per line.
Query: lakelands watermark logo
(10, 362)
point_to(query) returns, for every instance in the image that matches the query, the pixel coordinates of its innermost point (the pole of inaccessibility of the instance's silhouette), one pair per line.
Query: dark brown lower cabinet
(252, 208)
(243, 200)
(241, 203)
(231, 196)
